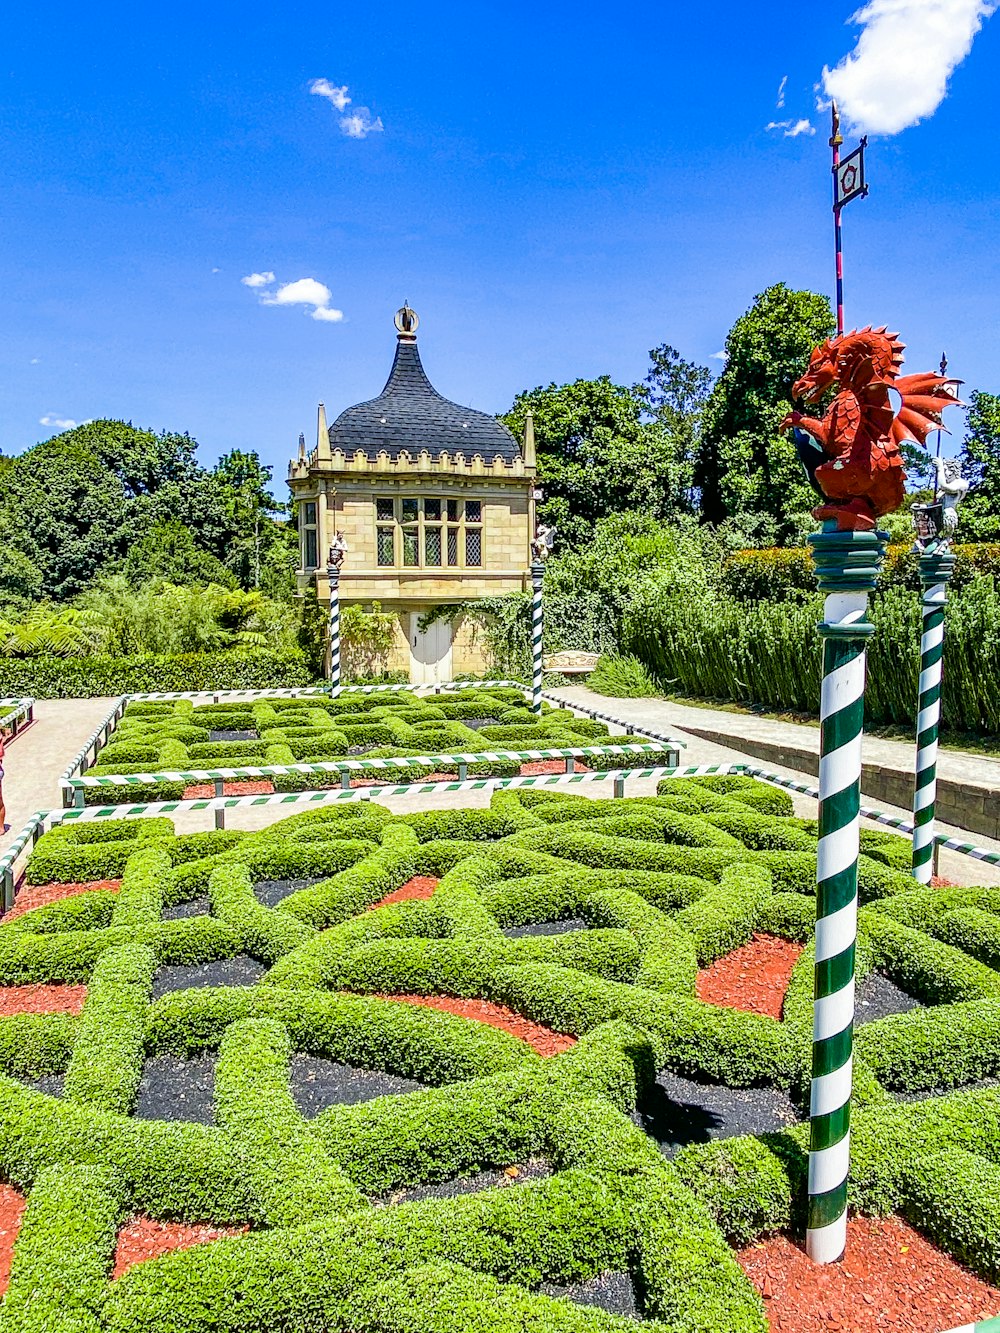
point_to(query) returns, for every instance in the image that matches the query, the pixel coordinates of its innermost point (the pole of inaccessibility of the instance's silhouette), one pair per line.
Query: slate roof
(410, 414)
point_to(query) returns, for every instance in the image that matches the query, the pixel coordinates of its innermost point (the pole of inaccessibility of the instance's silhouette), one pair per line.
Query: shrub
(94, 677)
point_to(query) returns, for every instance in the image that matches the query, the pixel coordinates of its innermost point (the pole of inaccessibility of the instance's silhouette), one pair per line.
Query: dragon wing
(924, 397)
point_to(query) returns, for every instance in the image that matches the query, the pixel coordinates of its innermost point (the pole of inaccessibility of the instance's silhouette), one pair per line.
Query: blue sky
(555, 188)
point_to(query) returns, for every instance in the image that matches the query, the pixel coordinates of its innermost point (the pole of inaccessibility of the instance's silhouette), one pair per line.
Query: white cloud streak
(60, 423)
(356, 124)
(359, 124)
(897, 74)
(336, 96)
(792, 128)
(781, 93)
(303, 292)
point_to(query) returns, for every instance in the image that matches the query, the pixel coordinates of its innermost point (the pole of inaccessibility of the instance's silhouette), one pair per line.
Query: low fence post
(220, 814)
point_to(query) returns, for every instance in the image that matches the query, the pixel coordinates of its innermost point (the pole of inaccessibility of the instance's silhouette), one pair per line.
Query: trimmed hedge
(96, 677)
(664, 884)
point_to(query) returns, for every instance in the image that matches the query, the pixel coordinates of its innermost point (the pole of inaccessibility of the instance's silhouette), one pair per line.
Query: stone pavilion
(435, 502)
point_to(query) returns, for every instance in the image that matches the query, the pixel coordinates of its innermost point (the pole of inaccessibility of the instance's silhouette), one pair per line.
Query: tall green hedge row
(97, 677)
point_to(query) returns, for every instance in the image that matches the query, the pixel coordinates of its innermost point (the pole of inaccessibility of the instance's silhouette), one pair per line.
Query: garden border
(22, 715)
(73, 788)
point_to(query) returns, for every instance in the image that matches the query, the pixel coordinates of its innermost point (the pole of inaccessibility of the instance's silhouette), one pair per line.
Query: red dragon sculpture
(857, 466)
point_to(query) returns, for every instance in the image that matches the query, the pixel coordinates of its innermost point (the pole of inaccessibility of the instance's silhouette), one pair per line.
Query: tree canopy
(87, 502)
(744, 465)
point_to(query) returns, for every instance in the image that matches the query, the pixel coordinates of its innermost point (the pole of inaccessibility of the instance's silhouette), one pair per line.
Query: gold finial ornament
(407, 321)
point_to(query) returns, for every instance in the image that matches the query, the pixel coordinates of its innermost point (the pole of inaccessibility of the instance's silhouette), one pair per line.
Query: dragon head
(820, 374)
(871, 353)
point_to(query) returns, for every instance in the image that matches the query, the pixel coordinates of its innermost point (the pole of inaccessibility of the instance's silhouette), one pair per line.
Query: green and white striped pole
(537, 572)
(333, 574)
(936, 568)
(846, 566)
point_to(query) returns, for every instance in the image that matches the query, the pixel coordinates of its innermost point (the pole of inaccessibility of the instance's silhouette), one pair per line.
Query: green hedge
(663, 884)
(95, 677)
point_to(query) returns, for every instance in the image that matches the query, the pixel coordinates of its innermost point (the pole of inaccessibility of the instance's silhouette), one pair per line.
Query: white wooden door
(430, 651)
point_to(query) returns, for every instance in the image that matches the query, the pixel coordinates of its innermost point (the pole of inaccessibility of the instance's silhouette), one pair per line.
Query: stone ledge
(968, 805)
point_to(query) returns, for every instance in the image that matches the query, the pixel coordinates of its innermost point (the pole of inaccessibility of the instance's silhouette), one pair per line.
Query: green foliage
(743, 463)
(168, 553)
(20, 580)
(366, 639)
(603, 448)
(89, 499)
(979, 516)
(98, 677)
(660, 882)
(622, 678)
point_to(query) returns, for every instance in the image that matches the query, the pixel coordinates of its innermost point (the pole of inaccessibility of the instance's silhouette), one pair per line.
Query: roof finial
(407, 323)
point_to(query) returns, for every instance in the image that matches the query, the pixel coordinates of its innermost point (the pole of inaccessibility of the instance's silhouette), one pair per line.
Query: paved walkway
(38, 756)
(674, 719)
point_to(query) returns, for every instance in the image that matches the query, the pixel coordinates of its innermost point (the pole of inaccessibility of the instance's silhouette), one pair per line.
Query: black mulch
(270, 892)
(878, 997)
(477, 723)
(173, 1088)
(51, 1084)
(547, 928)
(317, 1083)
(482, 1180)
(239, 971)
(228, 734)
(356, 751)
(677, 1111)
(199, 906)
(613, 1292)
(943, 1092)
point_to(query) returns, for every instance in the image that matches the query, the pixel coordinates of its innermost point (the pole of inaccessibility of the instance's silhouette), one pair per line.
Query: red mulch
(40, 895)
(40, 999)
(542, 1040)
(200, 790)
(398, 777)
(420, 886)
(938, 883)
(142, 1239)
(12, 1206)
(892, 1280)
(538, 766)
(754, 977)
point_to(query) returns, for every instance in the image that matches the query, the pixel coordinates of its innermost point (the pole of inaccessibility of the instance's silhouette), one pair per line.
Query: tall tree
(979, 516)
(597, 454)
(743, 463)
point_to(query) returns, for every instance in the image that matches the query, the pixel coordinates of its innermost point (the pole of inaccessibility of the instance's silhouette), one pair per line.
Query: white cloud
(898, 72)
(216, 270)
(781, 93)
(60, 423)
(303, 291)
(35, 360)
(718, 356)
(359, 124)
(356, 124)
(792, 128)
(324, 88)
(255, 279)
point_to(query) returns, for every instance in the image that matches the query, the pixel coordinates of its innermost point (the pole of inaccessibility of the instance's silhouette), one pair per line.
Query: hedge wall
(345, 1230)
(96, 677)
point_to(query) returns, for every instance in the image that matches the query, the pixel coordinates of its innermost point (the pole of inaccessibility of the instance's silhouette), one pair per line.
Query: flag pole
(836, 140)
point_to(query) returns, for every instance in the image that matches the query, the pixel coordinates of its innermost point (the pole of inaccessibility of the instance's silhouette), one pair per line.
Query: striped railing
(326, 691)
(617, 777)
(74, 787)
(31, 832)
(97, 739)
(880, 817)
(15, 715)
(615, 721)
